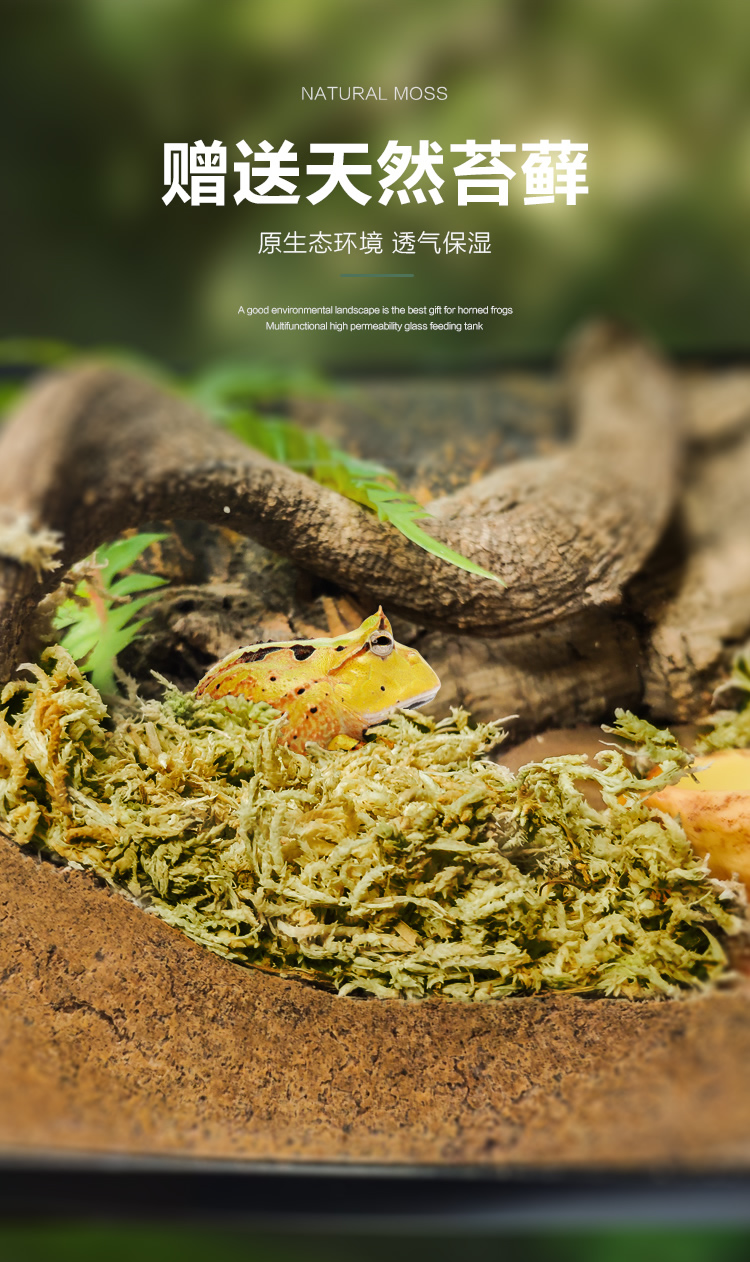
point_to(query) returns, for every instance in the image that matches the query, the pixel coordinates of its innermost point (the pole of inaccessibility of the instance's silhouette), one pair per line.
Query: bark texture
(95, 451)
(699, 611)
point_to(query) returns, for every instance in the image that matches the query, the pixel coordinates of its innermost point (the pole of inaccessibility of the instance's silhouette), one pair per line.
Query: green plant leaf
(133, 583)
(403, 512)
(364, 481)
(123, 553)
(228, 392)
(223, 390)
(10, 391)
(82, 626)
(99, 623)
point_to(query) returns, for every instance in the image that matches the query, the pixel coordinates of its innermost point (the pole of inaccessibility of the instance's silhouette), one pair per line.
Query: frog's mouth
(413, 703)
(424, 698)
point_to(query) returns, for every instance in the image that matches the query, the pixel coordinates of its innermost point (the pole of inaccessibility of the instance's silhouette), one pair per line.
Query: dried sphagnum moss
(410, 866)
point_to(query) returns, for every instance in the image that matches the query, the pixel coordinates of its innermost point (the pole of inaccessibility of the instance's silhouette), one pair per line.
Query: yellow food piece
(343, 742)
(714, 810)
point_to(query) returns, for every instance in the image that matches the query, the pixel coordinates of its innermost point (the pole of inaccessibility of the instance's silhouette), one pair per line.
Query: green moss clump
(410, 866)
(730, 728)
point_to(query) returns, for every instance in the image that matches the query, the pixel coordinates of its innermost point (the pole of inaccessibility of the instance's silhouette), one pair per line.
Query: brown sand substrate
(118, 1034)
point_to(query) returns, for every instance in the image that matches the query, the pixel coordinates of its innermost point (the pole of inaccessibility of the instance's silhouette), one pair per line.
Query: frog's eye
(381, 644)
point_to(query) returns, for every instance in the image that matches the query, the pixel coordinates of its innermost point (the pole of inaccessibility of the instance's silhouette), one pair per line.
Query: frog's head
(377, 676)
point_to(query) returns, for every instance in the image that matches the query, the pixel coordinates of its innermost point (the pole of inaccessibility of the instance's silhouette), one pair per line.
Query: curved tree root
(95, 451)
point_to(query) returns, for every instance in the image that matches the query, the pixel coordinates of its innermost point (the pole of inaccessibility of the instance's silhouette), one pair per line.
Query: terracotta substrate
(119, 1035)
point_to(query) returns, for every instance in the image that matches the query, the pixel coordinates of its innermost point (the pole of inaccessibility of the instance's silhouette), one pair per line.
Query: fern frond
(224, 391)
(364, 481)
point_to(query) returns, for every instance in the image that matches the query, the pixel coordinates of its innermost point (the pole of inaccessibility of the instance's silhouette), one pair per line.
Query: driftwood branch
(95, 451)
(700, 614)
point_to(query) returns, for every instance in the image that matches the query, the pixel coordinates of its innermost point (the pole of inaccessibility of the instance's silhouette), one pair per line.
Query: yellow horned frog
(327, 688)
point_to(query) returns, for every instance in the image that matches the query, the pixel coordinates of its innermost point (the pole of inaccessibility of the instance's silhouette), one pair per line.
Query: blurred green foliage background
(91, 89)
(120, 1242)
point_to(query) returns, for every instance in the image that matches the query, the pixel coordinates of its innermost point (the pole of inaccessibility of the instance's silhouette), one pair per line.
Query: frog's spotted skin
(327, 688)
